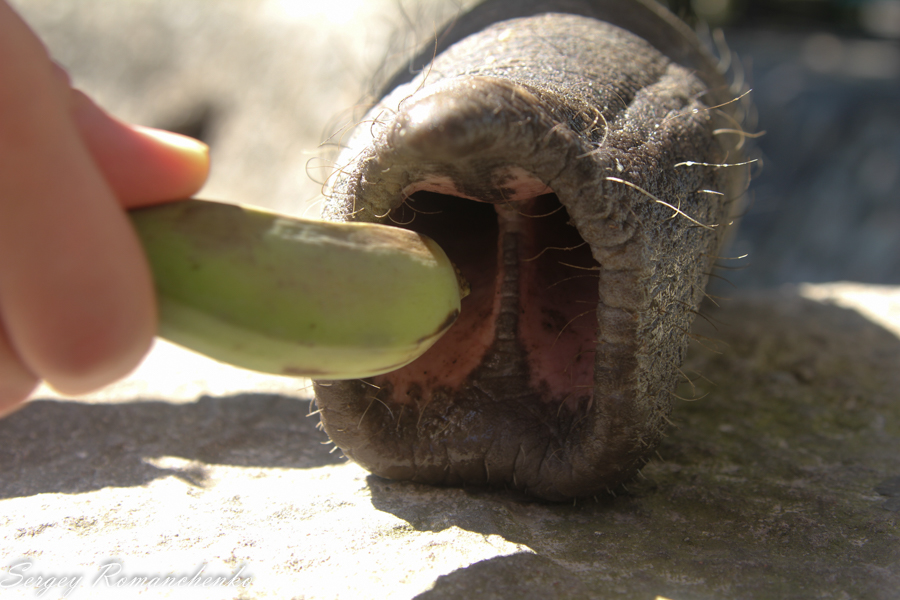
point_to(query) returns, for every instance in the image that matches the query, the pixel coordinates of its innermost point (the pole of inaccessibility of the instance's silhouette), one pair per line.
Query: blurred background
(825, 206)
(272, 85)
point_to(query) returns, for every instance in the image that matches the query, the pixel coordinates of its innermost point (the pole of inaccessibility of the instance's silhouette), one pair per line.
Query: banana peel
(295, 297)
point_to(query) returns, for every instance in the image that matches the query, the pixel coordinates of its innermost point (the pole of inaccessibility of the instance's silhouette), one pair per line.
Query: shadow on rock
(520, 576)
(74, 447)
(778, 479)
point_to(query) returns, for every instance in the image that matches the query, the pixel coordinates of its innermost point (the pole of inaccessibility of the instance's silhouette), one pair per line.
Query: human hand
(77, 306)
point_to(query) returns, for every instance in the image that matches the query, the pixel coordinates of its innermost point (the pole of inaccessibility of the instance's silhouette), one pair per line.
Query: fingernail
(188, 147)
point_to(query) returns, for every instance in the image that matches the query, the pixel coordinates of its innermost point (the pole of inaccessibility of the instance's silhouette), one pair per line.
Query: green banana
(295, 297)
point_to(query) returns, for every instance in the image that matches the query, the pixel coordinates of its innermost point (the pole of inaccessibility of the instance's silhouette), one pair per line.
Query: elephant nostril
(534, 283)
(468, 232)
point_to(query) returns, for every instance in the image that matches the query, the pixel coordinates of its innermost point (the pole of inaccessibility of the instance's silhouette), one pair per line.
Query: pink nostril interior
(515, 183)
(534, 284)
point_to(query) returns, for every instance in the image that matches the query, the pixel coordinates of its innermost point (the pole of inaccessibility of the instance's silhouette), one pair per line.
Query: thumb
(141, 165)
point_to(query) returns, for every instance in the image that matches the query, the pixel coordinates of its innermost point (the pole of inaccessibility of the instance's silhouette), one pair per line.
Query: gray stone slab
(778, 480)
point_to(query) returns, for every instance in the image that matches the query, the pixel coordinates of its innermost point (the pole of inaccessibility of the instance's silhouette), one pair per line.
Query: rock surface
(780, 479)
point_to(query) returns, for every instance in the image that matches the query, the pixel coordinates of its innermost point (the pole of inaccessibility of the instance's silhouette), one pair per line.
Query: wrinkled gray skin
(600, 101)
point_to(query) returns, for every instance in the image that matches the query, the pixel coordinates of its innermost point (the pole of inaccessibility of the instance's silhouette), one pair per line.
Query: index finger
(76, 299)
